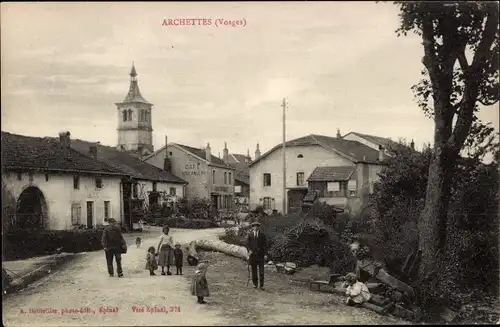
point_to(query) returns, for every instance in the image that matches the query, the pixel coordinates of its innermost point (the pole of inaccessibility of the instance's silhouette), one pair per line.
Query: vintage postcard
(243, 163)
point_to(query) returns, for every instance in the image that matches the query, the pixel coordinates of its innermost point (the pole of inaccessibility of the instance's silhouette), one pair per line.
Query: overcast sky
(339, 64)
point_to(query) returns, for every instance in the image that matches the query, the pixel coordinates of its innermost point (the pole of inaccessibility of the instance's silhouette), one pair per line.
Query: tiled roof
(25, 152)
(352, 150)
(241, 158)
(243, 175)
(202, 154)
(330, 174)
(387, 143)
(127, 163)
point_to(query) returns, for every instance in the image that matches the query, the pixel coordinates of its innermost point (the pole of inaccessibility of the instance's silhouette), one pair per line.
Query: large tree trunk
(433, 219)
(220, 246)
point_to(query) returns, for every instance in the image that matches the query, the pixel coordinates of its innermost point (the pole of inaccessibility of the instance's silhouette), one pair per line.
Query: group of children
(152, 263)
(199, 287)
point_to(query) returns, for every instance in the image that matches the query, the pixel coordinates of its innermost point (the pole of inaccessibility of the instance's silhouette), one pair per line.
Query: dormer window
(300, 156)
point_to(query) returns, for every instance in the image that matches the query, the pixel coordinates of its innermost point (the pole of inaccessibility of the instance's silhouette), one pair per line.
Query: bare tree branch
(483, 49)
(463, 60)
(430, 60)
(472, 78)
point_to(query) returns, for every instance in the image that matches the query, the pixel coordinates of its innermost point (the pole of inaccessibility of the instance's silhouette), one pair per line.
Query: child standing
(151, 263)
(178, 258)
(199, 287)
(357, 292)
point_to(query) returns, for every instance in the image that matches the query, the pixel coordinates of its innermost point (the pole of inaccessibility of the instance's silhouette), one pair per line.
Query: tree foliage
(451, 32)
(472, 232)
(461, 53)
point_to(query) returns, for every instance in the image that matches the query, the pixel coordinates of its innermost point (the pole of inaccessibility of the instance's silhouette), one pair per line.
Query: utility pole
(284, 158)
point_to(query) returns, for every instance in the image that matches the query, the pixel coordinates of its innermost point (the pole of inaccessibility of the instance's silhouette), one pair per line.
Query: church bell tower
(135, 129)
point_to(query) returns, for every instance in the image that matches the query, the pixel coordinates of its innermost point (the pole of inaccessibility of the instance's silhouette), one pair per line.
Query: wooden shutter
(76, 212)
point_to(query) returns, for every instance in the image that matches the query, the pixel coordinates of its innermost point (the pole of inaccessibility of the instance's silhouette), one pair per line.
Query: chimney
(257, 152)
(166, 145)
(208, 154)
(93, 151)
(167, 164)
(64, 138)
(412, 145)
(225, 153)
(248, 158)
(380, 153)
(338, 134)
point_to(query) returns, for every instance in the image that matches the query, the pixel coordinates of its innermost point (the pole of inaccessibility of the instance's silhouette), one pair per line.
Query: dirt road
(99, 300)
(84, 285)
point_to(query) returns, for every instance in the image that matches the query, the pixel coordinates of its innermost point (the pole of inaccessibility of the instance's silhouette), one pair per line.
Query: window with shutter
(76, 213)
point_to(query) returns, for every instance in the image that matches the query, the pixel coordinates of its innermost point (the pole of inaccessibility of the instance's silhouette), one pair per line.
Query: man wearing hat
(256, 246)
(114, 245)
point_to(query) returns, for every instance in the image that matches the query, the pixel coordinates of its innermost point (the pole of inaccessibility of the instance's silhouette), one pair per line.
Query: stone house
(145, 184)
(55, 187)
(334, 170)
(241, 165)
(208, 177)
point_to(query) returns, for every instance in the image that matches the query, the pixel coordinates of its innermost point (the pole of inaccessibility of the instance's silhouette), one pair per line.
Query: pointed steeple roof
(134, 94)
(133, 73)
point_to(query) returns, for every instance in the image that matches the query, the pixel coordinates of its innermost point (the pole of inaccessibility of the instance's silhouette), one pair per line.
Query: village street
(85, 283)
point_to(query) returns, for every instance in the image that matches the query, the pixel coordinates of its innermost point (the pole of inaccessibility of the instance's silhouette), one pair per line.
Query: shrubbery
(305, 241)
(313, 242)
(181, 222)
(472, 231)
(21, 244)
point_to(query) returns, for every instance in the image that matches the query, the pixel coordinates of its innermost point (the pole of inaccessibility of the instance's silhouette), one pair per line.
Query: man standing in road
(256, 246)
(114, 245)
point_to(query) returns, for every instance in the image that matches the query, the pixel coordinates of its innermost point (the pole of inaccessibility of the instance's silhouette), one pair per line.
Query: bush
(237, 238)
(172, 222)
(181, 222)
(472, 246)
(272, 226)
(197, 224)
(313, 242)
(22, 244)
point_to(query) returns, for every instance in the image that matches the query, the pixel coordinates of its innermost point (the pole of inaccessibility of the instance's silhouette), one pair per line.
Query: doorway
(215, 202)
(31, 209)
(90, 214)
(295, 198)
(127, 203)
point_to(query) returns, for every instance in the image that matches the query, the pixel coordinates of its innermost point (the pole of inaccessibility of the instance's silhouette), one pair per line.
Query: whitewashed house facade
(55, 187)
(328, 169)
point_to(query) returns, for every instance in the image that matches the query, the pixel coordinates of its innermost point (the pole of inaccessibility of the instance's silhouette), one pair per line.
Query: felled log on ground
(448, 315)
(193, 258)
(375, 269)
(223, 247)
(379, 300)
(373, 307)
